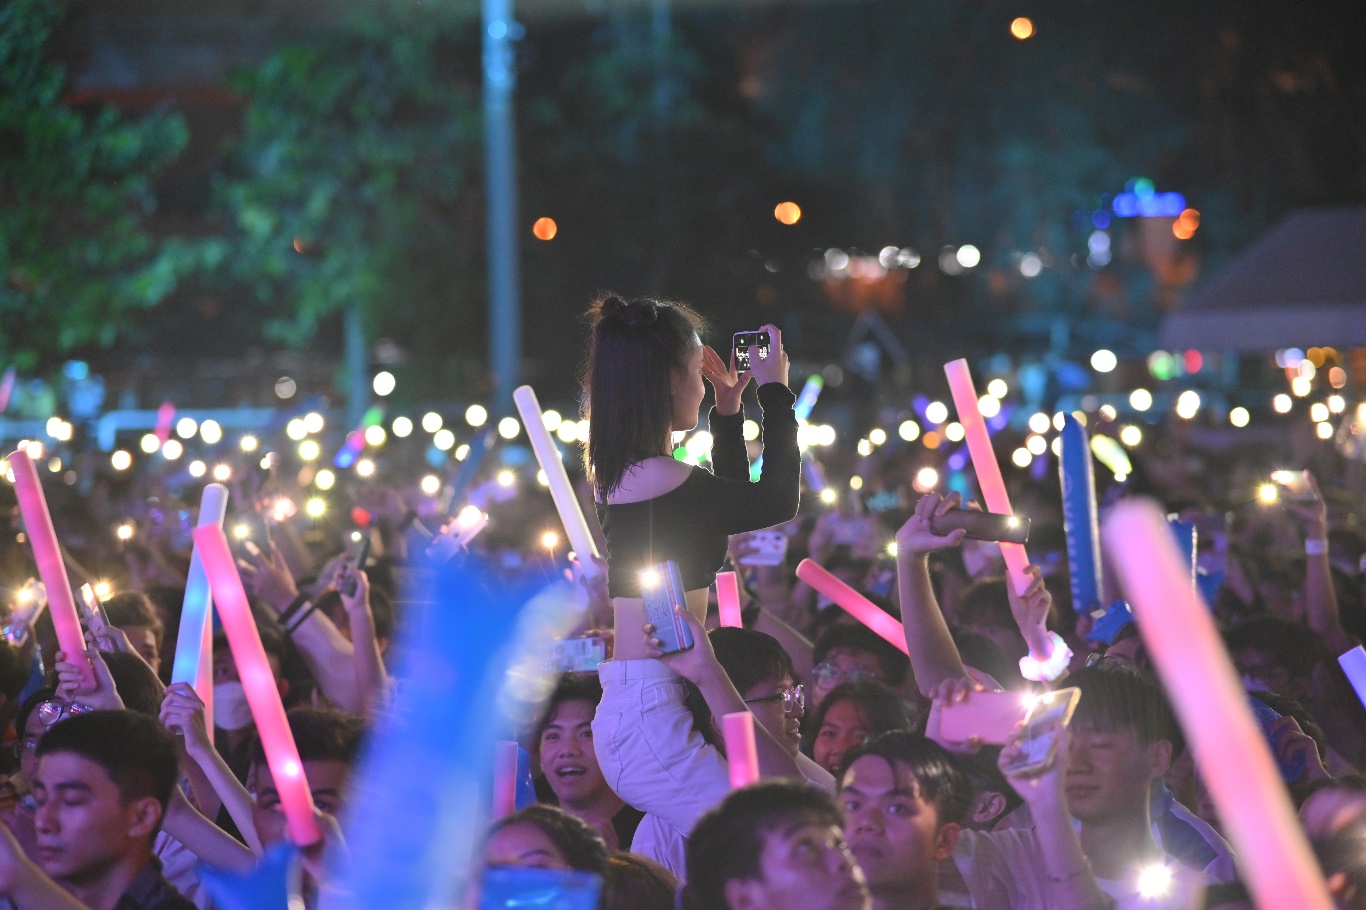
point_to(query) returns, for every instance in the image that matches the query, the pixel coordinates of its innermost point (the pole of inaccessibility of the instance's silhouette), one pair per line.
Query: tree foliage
(77, 259)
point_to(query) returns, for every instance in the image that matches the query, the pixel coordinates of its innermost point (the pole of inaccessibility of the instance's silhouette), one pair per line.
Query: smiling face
(567, 755)
(803, 864)
(842, 728)
(688, 390)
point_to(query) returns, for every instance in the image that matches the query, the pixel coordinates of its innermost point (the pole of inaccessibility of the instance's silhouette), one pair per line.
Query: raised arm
(372, 682)
(1320, 597)
(934, 656)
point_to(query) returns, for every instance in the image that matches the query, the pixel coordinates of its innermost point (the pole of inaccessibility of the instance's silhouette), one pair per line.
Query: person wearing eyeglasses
(761, 671)
(846, 653)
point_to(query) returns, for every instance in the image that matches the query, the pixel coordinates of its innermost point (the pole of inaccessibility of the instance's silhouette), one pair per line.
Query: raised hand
(915, 537)
(692, 664)
(72, 687)
(182, 711)
(268, 577)
(728, 385)
(774, 367)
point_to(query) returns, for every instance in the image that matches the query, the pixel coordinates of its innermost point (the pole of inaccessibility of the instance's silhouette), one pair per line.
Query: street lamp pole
(500, 168)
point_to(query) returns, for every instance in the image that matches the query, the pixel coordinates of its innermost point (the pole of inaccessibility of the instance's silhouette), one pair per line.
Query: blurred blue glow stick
(807, 399)
(192, 665)
(355, 440)
(1079, 522)
(1187, 540)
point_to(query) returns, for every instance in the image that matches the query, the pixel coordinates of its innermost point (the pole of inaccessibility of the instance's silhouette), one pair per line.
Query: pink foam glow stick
(854, 603)
(728, 599)
(741, 754)
(1230, 751)
(989, 479)
(165, 415)
(282, 755)
(48, 555)
(504, 779)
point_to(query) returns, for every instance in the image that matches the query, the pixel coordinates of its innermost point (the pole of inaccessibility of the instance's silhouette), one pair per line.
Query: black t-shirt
(691, 523)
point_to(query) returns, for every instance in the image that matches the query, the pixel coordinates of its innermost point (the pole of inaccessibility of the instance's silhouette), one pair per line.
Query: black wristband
(288, 612)
(303, 618)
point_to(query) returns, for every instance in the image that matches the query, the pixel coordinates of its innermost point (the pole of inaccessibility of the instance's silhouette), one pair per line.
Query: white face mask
(230, 708)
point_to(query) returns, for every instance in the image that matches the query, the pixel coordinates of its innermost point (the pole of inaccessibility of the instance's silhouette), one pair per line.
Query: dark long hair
(878, 706)
(637, 346)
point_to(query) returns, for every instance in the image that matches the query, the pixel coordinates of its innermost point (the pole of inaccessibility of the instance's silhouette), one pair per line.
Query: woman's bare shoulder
(651, 479)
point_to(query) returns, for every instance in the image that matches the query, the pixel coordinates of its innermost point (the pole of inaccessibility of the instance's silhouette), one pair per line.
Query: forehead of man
(874, 776)
(70, 772)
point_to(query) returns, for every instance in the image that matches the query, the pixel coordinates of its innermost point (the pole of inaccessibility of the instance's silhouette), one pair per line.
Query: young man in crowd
(849, 653)
(774, 845)
(102, 786)
(569, 763)
(133, 613)
(761, 670)
(904, 800)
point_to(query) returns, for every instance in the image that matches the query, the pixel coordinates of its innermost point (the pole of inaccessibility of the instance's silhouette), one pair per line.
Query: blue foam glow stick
(1187, 539)
(1079, 516)
(191, 663)
(807, 399)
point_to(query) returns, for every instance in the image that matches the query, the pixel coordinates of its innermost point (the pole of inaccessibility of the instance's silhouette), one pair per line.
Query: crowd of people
(883, 781)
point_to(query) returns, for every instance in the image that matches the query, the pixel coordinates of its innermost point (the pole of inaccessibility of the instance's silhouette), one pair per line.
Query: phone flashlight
(1154, 881)
(1267, 494)
(649, 578)
(550, 540)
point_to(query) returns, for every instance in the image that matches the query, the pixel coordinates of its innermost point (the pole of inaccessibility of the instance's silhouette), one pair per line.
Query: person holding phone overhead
(643, 383)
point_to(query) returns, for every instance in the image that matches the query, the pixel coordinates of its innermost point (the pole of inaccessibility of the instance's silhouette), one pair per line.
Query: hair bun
(636, 314)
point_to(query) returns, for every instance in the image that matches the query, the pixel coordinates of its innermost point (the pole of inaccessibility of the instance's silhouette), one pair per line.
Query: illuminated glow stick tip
(854, 603)
(561, 491)
(741, 754)
(728, 599)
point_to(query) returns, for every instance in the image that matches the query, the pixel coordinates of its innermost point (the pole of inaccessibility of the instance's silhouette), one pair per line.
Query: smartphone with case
(1295, 486)
(992, 717)
(520, 888)
(982, 525)
(1051, 712)
(661, 588)
(91, 606)
(741, 344)
(357, 552)
(770, 549)
(578, 655)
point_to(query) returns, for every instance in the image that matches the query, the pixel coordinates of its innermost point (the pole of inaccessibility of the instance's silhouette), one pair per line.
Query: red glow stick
(1231, 752)
(282, 755)
(854, 603)
(165, 415)
(741, 753)
(728, 599)
(504, 779)
(48, 555)
(989, 479)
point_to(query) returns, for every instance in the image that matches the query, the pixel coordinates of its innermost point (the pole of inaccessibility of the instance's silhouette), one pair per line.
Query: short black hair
(140, 688)
(1115, 694)
(849, 637)
(728, 841)
(750, 657)
(133, 608)
(570, 687)
(1290, 645)
(320, 734)
(878, 705)
(938, 776)
(134, 750)
(580, 845)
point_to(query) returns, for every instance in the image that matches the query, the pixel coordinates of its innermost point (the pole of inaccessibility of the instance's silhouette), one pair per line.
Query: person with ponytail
(643, 383)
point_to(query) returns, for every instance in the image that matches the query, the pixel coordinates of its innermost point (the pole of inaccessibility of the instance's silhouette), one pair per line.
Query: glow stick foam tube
(1078, 478)
(193, 657)
(504, 779)
(1353, 663)
(728, 599)
(1230, 751)
(854, 603)
(989, 479)
(282, 755)
(165, 417)
(48, 555)
(1188, 541)
(741, 753)
(566, 503)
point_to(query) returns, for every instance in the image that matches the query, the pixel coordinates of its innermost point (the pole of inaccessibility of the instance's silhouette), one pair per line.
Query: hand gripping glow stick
(741, 754)
(504, 779)
(566, 503)
(193, 657)
(1230, 751)
(282, 755)
(1353, 663)
(989, 479)
(1078, 478)
(48, 555)
(854, 603)
(728, 599)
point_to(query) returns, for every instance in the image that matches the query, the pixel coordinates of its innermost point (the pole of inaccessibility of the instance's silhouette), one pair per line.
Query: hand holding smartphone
(741, 344)
(1050, 714)
(1295, 486)
(661, 588)
(982, 525)
(357, 552)
(991, 718)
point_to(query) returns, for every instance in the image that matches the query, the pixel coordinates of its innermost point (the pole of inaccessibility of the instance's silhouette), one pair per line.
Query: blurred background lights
(989, 405)
(856, 482)
(1324, 430)
(222, 472)
(998, 388)
(1187, 404)
(365, 468)
(375, 435)
(1239, 417)
(1022, 28)
(462, 453)
(443, 440)
(508, 428)
(544, 228)
(431, 422)
(968, 256)
(828, 496)
(125, 532)
(877, 436)
(750, 430)
(954, 432)
(1154, 882)
(568, 431)
(1059, 421)
(1318, 412)
(1104, 361)
(936, 412)
(1281, 404)
(476, 415)
(542, 479)
(908, 430)
(384, 383)
(1186, 223)
(248, 443)
(1131, 436)
(186, 427)
(550, 540)
(120, 460)
(172, 449)
(1021, 458)
(926, 479)
(403, 427)
(787, 212)
(1039, 422)
(1301, 386)
(285, 387)
(506, 478)
(1036, 444)
(1337, 377)
(1140, 399)
(313, 422)
(197, 468)
(431, 485)
(309, 450)
(1337, 404)
(324, 479)
(211, 432)
(296, 429)
(149, 443)
(1030, 265)
(865, 448)
(315, 508)
(552, 420)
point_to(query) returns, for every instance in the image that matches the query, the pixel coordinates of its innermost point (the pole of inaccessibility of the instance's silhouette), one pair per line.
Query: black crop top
(690, 523)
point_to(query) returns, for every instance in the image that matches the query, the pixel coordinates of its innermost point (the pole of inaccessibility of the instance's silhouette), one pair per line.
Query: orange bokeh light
(931, 440)
(787, 212)
(1185, 224)
(545, 229)
(1022, 28)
